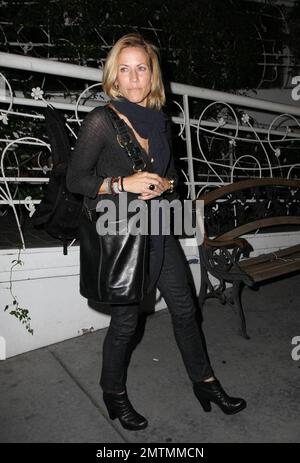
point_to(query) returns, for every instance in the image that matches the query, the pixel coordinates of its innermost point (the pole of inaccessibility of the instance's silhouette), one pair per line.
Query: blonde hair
(156, 98)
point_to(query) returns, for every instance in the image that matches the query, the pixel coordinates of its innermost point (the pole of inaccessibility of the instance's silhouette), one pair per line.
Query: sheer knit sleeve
(81, 176)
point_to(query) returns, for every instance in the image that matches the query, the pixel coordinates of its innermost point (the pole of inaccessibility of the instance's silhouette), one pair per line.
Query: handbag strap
(125, 140)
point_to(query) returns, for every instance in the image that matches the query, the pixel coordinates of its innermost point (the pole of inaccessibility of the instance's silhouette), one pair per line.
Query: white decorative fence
(222, 144)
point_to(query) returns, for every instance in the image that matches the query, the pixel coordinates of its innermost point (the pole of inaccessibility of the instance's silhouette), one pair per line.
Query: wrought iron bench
(240, 208)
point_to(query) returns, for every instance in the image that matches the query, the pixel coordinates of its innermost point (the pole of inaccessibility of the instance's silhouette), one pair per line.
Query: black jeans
(174, 287)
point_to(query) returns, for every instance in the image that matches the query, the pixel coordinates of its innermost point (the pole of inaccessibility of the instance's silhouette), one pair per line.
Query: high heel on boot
(119, 406)
(212, 391)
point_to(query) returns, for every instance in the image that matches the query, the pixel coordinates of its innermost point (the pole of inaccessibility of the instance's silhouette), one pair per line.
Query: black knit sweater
(97, 154)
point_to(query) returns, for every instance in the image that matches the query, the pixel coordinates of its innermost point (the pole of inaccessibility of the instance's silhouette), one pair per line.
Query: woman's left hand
(150, 195)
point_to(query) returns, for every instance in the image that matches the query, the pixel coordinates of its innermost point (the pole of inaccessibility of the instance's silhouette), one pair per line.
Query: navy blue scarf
(150, 124)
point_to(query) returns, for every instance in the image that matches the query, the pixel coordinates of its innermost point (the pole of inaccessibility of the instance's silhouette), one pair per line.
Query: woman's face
(134, 75)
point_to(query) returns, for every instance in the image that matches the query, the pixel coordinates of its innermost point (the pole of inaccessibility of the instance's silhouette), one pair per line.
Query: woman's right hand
(140, 181)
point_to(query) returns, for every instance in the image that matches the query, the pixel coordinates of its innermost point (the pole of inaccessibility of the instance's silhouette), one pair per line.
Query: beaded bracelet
(117, 185)
(113, 185)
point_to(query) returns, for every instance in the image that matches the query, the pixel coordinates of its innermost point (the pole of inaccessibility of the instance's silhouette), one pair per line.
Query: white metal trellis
(230, 129)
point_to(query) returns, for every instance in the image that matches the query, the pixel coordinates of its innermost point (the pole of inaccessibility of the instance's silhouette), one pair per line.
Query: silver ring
(151, 186)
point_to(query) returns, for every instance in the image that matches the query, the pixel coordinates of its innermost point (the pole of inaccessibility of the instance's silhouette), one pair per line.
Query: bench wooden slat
(281, 253)
(272, 264)
(279, 270)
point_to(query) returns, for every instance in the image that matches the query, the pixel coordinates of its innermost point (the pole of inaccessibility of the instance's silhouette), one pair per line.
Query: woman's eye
(142, 68)
(123, 69)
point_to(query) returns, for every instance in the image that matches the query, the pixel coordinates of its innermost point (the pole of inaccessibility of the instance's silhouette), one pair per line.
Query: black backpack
(59, 211)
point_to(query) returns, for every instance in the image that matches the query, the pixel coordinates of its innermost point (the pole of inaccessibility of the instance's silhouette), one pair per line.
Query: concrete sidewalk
(52, 394)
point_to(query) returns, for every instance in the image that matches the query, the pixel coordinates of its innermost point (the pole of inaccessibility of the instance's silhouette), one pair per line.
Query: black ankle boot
(118, 406)
(212, 391)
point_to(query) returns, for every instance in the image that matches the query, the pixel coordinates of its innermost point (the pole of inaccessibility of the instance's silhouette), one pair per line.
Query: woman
(99, 167)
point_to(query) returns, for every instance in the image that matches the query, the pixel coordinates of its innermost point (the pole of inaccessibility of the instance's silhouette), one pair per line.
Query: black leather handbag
(114, 267)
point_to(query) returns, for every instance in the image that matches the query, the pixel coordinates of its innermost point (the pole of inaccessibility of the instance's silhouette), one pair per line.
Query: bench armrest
(241, 243)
